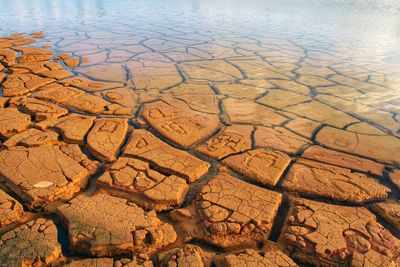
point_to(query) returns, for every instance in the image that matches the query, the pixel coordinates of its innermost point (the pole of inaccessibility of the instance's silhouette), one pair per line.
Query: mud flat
(211, 155)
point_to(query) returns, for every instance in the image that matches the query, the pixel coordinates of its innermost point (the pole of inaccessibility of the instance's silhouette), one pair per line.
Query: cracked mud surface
(146, 146)
(180, 124)
(260, 165)
(270, 255)
(123, 227)
(106, 137)
(319, 179)
(11, 210)
(228, 212)
(337, 235)
(135, 180)
(389, 211)
(187, 255)
(232, 140)
(138, 143)
(31, 244)
(12, 122)
(40, 175)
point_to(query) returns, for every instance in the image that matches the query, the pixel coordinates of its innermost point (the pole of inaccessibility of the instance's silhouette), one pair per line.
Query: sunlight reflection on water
(370, 27)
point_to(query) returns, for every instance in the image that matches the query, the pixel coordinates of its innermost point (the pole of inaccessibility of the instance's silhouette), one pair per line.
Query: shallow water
(360, 28)
(359, 32)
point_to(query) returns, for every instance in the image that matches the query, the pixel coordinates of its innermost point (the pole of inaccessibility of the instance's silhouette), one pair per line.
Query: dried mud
(193, 151)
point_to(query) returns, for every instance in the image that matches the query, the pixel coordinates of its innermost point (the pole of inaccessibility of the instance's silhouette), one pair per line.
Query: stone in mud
(11, 211)
(389, 211)
(136, 181)
(145, 146)
(395, 178)
(279, 138)
(74, 127)
(103, 225)
(303, 127)
(33, 54)
(319, 179)
(106, 137)
(12, 122)
(20, 84)
(332, 235)
(259, 165)
(8, 57)
(317, 111)
(272, 256)
(383, 148)
(232, 140)
(57, 93)
(40, 175)
(185, 256)
(31, 244)
(41, 110)
(229, 212)
(245, 111)
(176, 121)
(89, 85)
(31, 138)
(343, 160)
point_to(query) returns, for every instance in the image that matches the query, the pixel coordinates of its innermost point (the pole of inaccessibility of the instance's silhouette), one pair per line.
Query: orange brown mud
(193, 160)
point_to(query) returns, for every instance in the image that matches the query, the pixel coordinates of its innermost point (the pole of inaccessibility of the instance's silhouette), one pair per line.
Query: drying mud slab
(319, 232)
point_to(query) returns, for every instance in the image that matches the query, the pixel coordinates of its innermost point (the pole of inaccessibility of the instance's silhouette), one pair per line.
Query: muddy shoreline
(215, 155)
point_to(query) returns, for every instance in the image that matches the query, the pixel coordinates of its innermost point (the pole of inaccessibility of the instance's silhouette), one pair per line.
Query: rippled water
(330, 40)
(370, 24)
